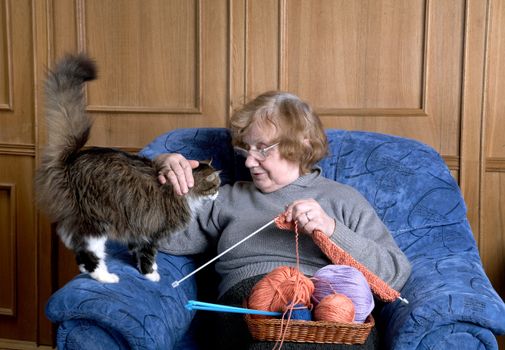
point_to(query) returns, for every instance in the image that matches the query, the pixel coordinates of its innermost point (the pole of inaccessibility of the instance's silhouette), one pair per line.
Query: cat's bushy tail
(68, 127)
(68, 124)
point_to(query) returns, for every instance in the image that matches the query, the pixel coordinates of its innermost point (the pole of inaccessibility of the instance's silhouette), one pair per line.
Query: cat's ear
(206, 161)
(212, 176)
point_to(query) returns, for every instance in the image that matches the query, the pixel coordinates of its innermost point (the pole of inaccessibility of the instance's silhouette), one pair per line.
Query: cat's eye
(211, 177)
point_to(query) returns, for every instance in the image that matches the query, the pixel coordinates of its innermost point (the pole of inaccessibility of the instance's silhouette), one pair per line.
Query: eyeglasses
(258, 154)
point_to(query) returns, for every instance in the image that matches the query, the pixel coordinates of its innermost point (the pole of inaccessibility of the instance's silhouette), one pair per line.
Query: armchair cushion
(407, 182)
(134, 313)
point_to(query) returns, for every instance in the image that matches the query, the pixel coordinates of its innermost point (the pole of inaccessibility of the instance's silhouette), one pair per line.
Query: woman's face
(274, 172)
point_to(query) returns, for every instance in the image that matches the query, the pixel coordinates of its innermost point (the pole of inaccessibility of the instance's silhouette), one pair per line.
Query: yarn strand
(289, 310)
(339, 256)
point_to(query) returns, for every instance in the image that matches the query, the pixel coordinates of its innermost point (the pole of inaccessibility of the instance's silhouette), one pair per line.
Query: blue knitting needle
(200, 305)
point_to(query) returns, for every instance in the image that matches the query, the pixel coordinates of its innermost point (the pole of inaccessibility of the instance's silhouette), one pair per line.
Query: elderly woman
(281, 139)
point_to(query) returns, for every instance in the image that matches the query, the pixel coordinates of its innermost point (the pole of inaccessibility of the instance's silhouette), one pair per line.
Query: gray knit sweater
(241, 209)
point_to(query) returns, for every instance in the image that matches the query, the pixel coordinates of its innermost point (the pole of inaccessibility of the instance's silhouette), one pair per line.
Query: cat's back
(102, 162)
(110, 175)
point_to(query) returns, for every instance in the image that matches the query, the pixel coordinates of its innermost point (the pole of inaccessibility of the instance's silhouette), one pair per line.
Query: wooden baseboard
(9, 344)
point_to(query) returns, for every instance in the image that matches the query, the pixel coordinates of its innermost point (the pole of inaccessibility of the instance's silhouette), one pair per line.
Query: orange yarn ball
(283, 287)
(335, 308)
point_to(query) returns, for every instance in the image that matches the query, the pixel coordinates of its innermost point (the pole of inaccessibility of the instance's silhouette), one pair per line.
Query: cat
(98, 193)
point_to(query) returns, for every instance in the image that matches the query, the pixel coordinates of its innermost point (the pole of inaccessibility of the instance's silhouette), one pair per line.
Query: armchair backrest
(406, 181)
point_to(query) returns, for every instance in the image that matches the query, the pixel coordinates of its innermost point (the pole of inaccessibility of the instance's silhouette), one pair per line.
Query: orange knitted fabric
(340, 257)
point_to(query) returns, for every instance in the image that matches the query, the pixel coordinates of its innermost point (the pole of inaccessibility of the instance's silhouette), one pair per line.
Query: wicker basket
(269, 329)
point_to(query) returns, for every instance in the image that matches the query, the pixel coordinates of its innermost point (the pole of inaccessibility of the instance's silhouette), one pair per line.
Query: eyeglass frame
(258, 154)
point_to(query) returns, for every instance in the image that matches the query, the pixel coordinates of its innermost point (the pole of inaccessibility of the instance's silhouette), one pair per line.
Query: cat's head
(207, 181)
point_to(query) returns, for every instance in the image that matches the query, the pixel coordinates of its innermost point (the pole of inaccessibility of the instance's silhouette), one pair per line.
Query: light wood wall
(425, 69)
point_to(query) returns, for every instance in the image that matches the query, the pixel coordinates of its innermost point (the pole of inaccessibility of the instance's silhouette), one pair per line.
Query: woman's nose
(251, 162)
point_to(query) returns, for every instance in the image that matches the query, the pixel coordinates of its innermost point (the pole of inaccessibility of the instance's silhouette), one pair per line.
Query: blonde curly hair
(299, 130)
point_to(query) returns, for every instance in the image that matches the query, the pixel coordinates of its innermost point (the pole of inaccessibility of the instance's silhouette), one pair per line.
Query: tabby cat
(97, 193)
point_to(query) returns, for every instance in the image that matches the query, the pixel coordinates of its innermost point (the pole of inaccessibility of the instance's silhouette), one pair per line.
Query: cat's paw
(153, 276)
(105, 276)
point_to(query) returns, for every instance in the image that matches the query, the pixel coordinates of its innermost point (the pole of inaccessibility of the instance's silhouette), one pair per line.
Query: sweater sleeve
(361, 233)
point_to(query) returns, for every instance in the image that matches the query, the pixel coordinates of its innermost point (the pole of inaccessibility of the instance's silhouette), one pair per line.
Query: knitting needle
(200, 305)
(176, 283)
(404, 300)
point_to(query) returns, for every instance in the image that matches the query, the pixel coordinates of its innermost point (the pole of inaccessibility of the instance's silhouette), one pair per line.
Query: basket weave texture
(269, 329)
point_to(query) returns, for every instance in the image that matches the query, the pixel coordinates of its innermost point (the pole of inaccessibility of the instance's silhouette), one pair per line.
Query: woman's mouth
(256, 174)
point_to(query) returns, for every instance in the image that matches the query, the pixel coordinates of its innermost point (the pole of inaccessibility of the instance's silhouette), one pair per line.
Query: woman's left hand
(310, 216)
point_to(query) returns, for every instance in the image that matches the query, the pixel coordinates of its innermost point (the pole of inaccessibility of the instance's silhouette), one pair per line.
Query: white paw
(105, 276)
(153, 276)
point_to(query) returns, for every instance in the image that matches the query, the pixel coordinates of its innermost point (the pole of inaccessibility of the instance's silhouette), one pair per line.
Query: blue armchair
(452, 303)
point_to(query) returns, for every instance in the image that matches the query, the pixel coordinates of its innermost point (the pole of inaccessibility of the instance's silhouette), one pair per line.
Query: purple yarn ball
(346, 280)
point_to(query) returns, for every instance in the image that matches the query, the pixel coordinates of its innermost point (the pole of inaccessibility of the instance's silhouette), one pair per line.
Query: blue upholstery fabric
(134, 313)
(452, 303)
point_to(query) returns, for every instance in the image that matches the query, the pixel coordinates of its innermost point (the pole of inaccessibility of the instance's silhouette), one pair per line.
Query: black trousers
(229, 330)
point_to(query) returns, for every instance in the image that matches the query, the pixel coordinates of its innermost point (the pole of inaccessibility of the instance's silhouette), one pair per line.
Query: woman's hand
(176, 169)
(310, 216)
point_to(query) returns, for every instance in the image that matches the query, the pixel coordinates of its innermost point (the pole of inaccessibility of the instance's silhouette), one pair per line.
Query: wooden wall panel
(161, 63)
(353, 57)
(369, 65)
(427, 69)
(5, 57)
(495, 102)
(18, 234)
(16, 98)
(167, 34)
(492, 239)
(262, 45)
(473, 92)
(8, 249)
(492, 242)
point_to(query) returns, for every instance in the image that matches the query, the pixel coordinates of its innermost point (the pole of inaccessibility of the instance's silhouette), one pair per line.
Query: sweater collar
(303, 181)
(307, 179)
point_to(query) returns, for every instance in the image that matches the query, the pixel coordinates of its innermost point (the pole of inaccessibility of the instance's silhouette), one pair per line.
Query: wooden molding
(8, 105)
(143, 110)
(371, 112)
(452, 162)
(17, 149)
(80, 9)
(495, 165)
(9, 284)
(368, 112)
(22, 345)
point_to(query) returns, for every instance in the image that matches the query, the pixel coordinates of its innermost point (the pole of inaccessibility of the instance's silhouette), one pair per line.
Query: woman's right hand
(178, 170)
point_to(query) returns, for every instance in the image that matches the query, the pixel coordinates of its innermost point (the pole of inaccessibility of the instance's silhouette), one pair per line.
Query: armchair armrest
(134, 313)
(451, 301)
